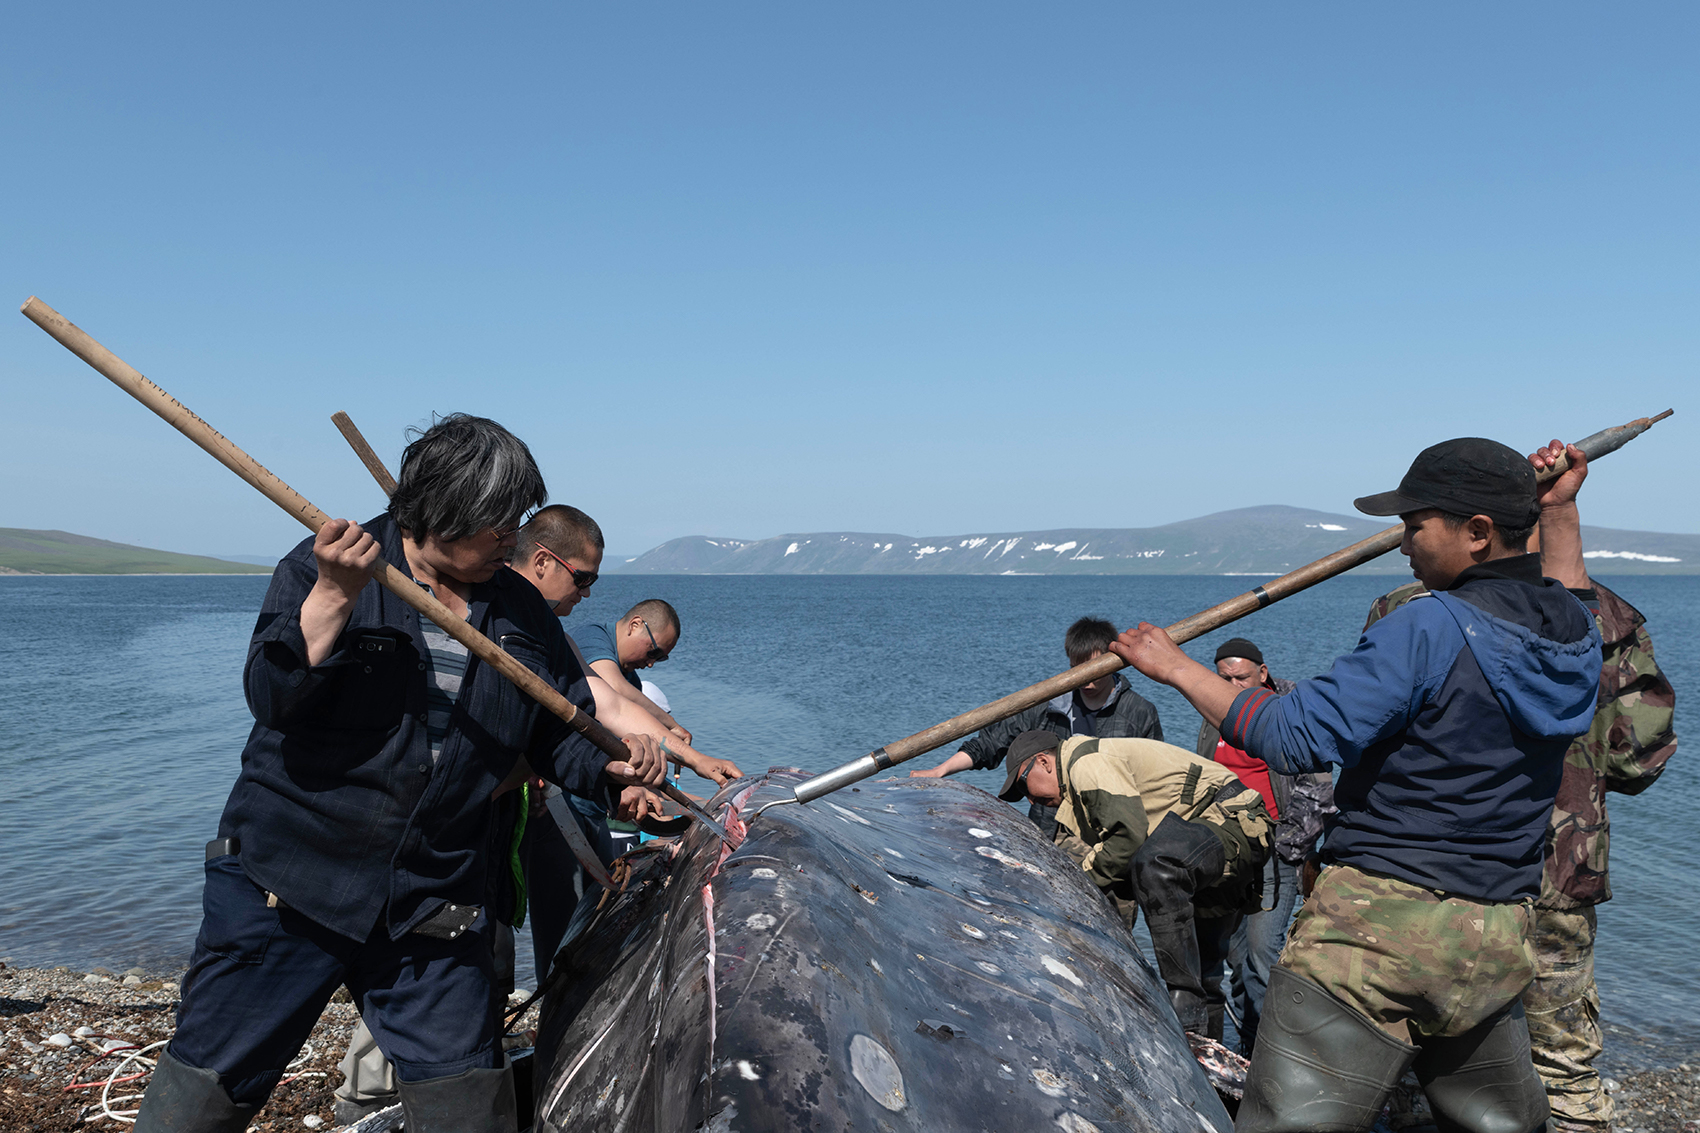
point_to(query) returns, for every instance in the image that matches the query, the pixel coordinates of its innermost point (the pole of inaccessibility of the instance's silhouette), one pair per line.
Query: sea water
(122, 722)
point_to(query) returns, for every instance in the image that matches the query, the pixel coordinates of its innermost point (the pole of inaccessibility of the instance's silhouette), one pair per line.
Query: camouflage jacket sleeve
(1625, 750)
(1637, 698)
(1112, 813)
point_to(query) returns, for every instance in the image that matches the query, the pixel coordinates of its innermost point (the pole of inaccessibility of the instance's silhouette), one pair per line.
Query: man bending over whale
(1183, 832)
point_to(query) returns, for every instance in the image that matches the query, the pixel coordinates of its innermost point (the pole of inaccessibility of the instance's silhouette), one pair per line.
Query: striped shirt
(442, 684)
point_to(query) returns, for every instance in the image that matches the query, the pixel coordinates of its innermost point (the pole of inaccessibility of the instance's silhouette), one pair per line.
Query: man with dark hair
(1107, 707)
(1625, 750)
(1186, 835)
(645, 636)
(355, 848)
(1449, 721)
(1298, 804)
(560, 553)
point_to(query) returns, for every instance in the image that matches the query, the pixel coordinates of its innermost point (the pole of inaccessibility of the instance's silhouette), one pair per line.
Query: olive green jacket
(1116, 791)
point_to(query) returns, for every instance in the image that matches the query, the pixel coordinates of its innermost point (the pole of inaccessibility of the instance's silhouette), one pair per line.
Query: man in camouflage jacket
(1624, 750)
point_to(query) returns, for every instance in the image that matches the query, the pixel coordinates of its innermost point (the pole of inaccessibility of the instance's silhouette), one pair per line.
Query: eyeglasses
(511, 529)
(583, 579)
(656, 653)
(1021, 780)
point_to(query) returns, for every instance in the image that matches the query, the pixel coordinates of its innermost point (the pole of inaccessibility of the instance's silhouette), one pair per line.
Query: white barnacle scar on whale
(1058, 968)
(877, 1071)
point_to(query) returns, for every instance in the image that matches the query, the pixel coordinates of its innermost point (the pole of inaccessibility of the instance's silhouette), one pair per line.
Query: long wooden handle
(126, 378)
(345, 425)
(1594, 446)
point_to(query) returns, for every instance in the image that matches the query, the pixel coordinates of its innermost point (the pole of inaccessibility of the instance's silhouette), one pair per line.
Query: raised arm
(1561, 524)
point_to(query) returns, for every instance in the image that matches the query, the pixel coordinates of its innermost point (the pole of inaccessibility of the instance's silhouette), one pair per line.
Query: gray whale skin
(904, 955)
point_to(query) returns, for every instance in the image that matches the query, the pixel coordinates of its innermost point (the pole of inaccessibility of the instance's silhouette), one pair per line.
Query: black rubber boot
(1319, 1063)
(1213, 1021)
(186, 1099)
(1175, 941)
(1174, 863)
(1484, 1081)
(473, 1101)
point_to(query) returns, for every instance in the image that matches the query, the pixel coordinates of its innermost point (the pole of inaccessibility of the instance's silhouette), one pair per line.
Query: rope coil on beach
(138, 1055)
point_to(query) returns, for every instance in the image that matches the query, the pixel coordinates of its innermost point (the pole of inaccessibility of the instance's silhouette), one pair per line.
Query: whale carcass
(904, 955)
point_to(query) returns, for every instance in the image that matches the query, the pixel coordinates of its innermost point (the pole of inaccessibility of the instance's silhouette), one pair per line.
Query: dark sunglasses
(1021, 780)
(583, 579)
(656, 653)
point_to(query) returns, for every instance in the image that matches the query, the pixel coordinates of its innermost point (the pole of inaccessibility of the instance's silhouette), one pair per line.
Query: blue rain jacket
(1449, 722)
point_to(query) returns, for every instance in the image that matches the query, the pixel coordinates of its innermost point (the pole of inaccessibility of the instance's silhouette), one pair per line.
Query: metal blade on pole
(1595, 446)
(582, 850)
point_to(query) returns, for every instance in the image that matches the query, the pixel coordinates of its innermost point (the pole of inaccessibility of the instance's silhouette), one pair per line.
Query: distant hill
(1256, 540)
(60, 552)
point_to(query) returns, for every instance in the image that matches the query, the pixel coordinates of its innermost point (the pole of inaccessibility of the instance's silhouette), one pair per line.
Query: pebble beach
(64, 1034)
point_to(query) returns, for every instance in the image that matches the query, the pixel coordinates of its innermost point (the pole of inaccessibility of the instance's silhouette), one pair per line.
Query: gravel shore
(57, 1025)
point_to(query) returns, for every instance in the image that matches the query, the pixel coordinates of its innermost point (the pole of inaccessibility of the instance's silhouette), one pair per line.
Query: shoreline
(56, 1022)
(8, 572)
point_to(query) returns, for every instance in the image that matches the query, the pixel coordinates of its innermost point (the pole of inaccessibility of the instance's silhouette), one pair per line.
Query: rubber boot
(1213, 1027)
(1175, 940)
(1177, 861)
(1319, 1064)
(1483, 1081)
(473, 1101)
(186, 1099)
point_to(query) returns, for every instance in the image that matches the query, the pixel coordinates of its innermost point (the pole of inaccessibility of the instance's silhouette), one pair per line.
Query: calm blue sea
(122, 720)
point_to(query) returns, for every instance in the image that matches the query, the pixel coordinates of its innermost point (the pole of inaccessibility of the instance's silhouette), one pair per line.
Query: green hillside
(60, 552)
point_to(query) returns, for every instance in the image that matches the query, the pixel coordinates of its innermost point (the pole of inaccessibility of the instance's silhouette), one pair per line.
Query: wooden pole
(114, 369)
(345, 425)
(1217, 616)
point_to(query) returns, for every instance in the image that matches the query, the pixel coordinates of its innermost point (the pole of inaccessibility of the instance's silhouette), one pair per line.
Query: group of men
(1448, 920)
(378, 835)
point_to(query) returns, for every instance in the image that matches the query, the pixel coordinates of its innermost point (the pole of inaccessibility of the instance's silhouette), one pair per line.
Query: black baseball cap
(1466, 476)
(1240, 647)
(1021, 749)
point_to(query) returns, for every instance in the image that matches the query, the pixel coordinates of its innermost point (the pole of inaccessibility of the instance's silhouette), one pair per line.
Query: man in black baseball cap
(1155, 825)
(1449, 723)
(1464, 502)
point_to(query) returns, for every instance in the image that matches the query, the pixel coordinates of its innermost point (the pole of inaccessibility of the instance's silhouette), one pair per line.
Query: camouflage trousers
(1415, 962)
(1564, 1020)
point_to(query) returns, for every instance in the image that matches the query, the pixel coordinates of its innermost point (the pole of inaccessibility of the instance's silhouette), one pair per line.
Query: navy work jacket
(339, 808)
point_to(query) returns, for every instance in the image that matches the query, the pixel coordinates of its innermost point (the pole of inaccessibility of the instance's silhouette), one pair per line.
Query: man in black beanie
(1449, 722)
(1299, 804)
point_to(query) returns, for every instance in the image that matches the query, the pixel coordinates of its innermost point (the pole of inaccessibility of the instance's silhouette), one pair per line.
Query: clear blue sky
(743, 269)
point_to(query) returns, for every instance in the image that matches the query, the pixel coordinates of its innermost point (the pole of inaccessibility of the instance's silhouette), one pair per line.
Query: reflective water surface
(122, 721)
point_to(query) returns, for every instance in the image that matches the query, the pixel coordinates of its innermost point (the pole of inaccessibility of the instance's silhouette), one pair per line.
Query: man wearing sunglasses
(645, 636)
(560, 553)
(1183, 833)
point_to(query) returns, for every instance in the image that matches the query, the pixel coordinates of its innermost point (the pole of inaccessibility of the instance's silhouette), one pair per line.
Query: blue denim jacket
(338, 806)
